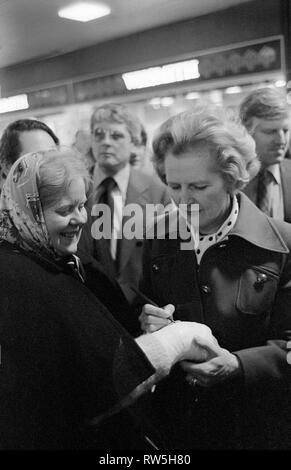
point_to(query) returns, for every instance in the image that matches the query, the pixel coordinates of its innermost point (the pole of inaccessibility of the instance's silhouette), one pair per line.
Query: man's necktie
(105, 197)
(262, 191)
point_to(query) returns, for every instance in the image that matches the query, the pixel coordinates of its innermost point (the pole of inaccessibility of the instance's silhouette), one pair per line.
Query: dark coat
(142, 189)
(242, 291)
(64, 359)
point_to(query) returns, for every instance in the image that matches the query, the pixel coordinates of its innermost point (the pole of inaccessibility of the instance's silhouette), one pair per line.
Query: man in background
(266, 115)
(20, 137)
(138, 156)
(115, 134)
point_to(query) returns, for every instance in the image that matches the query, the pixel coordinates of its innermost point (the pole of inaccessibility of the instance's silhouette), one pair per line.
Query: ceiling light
(13, 103)
(84, 11)
(280, 83)
(192, 95)
(155, 103)
(167, 101)
(232, 90)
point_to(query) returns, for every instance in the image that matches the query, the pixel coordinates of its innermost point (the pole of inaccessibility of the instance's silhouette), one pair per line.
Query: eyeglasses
(100, 134)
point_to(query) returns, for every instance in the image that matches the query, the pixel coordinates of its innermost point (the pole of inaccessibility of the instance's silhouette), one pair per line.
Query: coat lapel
(136, 194)
(256, 227)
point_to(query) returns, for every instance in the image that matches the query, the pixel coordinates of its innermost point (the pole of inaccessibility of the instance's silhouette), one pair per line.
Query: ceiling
(31, 29)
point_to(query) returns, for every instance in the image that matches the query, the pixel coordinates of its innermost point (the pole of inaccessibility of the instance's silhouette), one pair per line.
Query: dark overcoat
(64, 359)
(242, 291)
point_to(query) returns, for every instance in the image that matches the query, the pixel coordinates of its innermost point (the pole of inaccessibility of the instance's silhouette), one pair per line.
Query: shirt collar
(121, 178)
(275, 172)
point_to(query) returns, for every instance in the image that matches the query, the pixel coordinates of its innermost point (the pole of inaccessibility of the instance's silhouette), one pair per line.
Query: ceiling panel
(31, 29)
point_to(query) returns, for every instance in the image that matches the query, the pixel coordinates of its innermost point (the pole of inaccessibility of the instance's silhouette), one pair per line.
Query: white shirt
(276, 204)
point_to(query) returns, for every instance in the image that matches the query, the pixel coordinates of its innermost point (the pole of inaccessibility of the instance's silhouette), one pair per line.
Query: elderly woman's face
(65, 219)
(193, 178)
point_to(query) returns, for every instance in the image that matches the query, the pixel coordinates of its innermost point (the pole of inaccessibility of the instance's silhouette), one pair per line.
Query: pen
(148, 300)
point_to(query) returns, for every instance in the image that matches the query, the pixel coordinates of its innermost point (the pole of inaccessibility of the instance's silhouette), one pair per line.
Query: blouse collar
(206, 241)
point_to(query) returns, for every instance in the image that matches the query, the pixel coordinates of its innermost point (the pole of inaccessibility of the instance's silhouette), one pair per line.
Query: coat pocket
(257, 291)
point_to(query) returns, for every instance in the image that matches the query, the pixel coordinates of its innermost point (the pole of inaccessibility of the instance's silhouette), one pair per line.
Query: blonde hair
(115, 112)
(264, 103)
(56, 170)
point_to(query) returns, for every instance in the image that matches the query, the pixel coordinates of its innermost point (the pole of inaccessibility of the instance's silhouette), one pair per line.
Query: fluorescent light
(154, 76)
(280, 83)
(13, 103)
(167, 101)
(232, 90)
(84, 11)
(155, 103)
(192, 95)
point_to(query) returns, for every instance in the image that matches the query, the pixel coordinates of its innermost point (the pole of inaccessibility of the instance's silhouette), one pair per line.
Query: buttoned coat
(242, 291)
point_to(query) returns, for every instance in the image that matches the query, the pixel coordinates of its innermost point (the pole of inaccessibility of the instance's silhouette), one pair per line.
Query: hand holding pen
(153, 317)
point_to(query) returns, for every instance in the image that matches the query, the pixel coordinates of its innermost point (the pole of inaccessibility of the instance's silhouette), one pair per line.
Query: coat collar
(256, 227)
(252, 225)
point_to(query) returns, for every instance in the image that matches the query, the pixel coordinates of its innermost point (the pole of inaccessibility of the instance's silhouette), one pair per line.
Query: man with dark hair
(20, 137)
(266, 115)
(115, 134)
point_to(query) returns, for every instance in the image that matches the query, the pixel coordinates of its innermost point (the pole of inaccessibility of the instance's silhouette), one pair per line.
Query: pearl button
(155, 268)
(206, 289)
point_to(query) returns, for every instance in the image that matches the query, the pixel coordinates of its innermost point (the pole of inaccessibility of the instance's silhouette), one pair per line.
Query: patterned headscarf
(22, 221)
(4, 170)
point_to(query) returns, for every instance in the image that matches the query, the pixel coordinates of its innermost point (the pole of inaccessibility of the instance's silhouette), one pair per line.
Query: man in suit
(115, 134)
(266, 115)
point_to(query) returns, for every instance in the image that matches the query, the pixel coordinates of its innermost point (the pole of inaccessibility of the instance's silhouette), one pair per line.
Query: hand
(153, 318)
(220, 366)
(187, 340)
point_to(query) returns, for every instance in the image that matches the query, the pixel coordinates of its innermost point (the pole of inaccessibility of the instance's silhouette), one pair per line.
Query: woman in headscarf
(66, 363)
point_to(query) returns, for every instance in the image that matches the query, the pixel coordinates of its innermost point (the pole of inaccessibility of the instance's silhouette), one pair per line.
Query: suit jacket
(242, 291)
(142, 189)
(285, 171)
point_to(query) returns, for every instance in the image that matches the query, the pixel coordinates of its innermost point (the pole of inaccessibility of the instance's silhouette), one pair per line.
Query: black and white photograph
(145, 230)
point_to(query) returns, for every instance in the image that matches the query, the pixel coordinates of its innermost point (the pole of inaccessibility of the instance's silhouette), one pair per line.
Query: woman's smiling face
(65, 219)
(194, 178)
